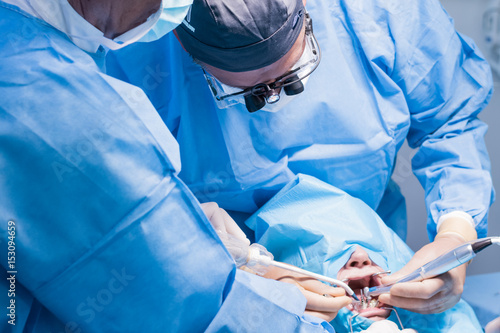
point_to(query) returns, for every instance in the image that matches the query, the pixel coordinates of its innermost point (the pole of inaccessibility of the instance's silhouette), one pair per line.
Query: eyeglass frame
(262, 89)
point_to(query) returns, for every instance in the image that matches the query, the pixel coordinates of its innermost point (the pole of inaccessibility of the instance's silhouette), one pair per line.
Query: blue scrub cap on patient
(241, 35)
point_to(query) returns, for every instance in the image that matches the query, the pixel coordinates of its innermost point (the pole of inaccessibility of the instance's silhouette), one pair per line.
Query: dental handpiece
(442, 264)
(257, 258)
(320, 277)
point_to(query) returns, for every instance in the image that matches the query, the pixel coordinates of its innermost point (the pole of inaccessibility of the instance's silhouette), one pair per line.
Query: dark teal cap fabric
(241, 35)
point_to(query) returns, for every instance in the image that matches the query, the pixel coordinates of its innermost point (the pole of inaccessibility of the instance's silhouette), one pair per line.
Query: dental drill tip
(366, 292)
(481, 244)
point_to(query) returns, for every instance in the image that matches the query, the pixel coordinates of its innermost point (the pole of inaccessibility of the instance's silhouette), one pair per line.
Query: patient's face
(359, 272)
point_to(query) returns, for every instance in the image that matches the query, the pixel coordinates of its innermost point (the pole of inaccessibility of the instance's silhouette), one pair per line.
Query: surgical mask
(172, 15)
(283, 101)
(62, 16)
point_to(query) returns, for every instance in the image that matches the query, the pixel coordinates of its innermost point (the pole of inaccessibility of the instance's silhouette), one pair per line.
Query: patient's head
(359, 273)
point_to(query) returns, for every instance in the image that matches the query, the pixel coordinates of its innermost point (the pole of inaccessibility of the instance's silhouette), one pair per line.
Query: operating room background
(468, 16)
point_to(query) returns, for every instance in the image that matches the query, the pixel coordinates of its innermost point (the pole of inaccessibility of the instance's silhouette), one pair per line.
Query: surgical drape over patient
(316, 226)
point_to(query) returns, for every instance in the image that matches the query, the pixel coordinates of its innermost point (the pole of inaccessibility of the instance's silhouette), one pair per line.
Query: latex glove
(386, 326)
(437, 294)
(323, 301)
(493, 326)
(222, 222)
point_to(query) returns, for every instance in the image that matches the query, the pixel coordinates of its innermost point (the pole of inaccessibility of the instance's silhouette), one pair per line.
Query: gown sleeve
(108, 239)
(447, 83)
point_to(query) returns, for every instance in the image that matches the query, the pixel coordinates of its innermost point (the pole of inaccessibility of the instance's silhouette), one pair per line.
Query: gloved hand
(323, 301)
(222, 222)
(493, 326)
(436, 294)
(324, 307)
(386, 326)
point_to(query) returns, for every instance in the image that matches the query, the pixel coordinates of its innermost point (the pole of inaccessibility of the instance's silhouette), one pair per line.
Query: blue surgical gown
(390, 71)
(107, 238)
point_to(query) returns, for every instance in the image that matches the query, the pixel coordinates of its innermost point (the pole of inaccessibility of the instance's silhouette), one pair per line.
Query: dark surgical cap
(241, 35)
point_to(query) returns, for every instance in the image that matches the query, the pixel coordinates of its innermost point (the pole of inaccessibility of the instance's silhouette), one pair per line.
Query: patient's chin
(375, 313)
(378, 318)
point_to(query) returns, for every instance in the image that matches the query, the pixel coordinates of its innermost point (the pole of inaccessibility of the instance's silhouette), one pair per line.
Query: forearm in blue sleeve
(108, 239)
(158, 268)
(448, 84)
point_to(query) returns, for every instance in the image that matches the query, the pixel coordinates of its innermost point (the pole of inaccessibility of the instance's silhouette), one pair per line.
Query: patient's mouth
(367, 308)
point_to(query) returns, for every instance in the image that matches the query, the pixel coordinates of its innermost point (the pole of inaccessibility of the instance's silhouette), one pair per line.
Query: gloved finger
(436, 304)
(232, 228)
(321, 303)
(424, 289)
(327, 316)
(311, 284)
(493, 326)
(215, 216)
(320, 288)
(405, 303)
(411, 266)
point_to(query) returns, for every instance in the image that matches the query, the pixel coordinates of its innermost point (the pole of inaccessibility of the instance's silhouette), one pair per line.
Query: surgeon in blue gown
(103, 235)
(389, 71)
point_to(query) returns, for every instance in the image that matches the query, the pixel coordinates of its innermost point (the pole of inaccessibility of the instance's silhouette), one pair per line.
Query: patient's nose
(359, 258)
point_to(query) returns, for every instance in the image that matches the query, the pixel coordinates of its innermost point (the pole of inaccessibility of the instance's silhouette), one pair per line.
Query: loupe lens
(254, 102)
(295, 88)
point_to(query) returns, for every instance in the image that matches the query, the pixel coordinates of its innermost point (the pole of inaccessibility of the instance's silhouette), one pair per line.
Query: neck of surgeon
(114, 17)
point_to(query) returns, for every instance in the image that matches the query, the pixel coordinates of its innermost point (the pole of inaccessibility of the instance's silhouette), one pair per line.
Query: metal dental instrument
(330, 280)
(454, 258)
(362, 299)
(385, 272)
(397, 315)
(367, 295)
(350, 321)
(366, 290)
(257, 258)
